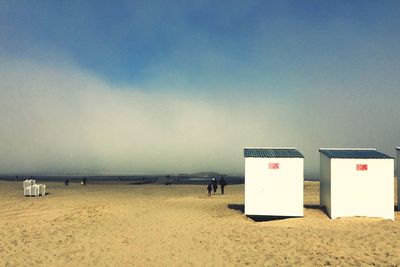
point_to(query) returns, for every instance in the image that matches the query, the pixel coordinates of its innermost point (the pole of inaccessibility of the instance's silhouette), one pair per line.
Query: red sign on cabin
(362, 167)
(273, 166)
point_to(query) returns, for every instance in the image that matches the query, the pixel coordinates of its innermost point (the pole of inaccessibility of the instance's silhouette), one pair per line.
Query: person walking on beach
(209, 189)
(83, 181)
(66, 181)
(222, 183)
(214, 185)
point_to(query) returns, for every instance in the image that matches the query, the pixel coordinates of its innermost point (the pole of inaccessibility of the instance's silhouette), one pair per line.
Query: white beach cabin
(273, 182)
(398, 177)
(356, 182)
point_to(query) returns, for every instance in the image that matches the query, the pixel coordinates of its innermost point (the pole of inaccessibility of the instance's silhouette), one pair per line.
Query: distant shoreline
(132, 179)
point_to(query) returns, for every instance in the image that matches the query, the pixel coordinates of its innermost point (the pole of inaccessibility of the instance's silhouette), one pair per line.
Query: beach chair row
(32, 189)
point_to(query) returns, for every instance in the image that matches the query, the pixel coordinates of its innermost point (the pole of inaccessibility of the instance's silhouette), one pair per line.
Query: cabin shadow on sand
(262, 218)
(238, 207)
(257, 218)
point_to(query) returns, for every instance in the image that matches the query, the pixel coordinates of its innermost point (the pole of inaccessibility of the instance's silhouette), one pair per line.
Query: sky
(149, 87)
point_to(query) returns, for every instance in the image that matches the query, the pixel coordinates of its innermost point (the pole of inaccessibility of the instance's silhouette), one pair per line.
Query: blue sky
(228, 43)
(311, 65)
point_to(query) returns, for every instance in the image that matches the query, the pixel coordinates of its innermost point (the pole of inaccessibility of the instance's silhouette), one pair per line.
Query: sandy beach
(119, 224)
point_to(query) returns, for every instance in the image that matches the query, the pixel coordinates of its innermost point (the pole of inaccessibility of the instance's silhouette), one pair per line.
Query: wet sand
(155, 225)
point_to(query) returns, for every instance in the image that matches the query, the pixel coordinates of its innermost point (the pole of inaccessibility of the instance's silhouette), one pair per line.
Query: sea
(128, 179)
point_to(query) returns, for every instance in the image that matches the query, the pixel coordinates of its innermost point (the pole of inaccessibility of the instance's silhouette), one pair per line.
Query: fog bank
(62, 119)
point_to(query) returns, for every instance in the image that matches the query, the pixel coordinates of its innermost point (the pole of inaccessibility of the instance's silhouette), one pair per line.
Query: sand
(179, 225)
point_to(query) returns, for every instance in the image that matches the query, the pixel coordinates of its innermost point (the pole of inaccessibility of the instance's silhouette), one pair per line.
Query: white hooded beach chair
(27, 191)
(32, 190)
(28, 182)
(42, 189)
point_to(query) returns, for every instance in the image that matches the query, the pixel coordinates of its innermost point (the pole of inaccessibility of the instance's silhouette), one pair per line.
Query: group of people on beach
(83, 182)
(213, 185)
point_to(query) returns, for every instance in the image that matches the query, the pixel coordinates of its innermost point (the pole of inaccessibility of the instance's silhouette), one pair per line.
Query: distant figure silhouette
(66, 181)
(168, 180)
(214, 185)
(222, 183)
(209, 189)
(83, 181)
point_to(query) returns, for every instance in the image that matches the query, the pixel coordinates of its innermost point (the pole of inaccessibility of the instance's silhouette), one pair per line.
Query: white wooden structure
(398, 177)
(356, 182)
(33, 189)
(28, 182)
(273, 182)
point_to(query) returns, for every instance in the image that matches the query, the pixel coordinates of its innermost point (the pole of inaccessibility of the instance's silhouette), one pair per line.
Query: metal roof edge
(387, 157)
(272, 152)
(328, 153)
(264, 147)
(343, 148)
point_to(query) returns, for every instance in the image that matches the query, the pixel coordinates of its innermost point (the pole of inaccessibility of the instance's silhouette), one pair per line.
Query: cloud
(60, 118)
